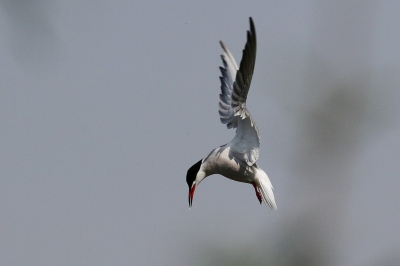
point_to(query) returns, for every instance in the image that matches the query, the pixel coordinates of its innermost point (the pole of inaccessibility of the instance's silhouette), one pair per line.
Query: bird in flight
(236, 160)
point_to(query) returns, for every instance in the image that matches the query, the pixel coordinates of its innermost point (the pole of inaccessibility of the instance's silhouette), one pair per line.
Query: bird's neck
(200, 176)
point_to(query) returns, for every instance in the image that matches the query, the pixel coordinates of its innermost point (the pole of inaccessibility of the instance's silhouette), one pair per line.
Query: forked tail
(266, 189)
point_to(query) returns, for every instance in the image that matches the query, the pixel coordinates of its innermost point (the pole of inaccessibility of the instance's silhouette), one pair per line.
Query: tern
(236, 160)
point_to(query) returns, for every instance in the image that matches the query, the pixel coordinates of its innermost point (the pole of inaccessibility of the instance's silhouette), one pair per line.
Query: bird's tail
(266, 189)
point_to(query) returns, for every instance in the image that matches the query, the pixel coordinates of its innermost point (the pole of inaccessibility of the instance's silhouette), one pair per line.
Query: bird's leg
(257, 193)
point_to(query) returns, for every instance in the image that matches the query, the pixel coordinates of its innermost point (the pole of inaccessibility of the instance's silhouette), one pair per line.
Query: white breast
(221, 161)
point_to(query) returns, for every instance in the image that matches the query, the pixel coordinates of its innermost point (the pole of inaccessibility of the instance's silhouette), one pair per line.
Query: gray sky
(104, 105)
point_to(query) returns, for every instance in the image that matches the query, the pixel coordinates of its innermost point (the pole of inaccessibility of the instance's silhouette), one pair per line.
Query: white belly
(220, 161)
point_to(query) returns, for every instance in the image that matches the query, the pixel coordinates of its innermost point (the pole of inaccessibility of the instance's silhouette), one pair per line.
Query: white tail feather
(266, 189)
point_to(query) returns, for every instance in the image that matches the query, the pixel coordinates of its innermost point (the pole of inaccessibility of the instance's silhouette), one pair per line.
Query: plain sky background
(104, 105)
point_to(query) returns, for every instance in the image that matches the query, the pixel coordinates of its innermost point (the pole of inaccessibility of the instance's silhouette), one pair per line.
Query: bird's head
(193, 179)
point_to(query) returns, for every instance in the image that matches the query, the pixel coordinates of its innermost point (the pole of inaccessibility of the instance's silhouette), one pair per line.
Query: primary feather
(235, 85)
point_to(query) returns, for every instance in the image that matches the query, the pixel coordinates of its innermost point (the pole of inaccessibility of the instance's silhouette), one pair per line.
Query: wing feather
(235, 85)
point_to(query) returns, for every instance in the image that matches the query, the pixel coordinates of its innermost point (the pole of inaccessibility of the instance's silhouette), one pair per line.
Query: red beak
(191, 194)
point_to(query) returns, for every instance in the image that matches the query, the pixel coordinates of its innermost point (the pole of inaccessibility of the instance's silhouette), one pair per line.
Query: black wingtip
(251, 23)
(252, 27)
(223, 46)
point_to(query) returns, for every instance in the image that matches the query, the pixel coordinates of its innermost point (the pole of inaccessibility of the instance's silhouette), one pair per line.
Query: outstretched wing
(235, 85)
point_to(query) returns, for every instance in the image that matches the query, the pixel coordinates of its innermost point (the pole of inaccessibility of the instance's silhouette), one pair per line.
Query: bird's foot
(257, 193)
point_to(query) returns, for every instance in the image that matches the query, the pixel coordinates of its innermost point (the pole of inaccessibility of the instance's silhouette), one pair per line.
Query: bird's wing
(235, 85)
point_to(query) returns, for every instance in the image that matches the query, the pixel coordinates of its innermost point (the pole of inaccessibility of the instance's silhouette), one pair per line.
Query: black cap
(192, 172)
